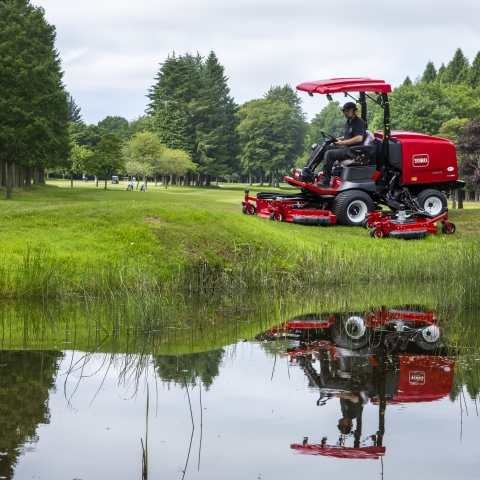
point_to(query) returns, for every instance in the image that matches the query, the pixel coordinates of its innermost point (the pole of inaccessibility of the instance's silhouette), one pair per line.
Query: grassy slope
(161, 230)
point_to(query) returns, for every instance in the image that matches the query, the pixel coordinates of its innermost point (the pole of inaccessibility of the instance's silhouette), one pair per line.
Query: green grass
(57, 240)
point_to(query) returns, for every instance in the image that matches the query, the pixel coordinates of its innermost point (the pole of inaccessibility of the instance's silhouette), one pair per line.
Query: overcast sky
(111, 49)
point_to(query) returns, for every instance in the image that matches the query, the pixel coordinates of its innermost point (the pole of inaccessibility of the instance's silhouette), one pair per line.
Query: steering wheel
(328, 137)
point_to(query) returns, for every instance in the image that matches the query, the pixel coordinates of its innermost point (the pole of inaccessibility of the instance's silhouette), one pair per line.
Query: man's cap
(349, 106)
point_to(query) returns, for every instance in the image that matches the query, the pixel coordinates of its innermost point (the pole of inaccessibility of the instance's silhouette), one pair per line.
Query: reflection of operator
(351, 405)
(354, 134)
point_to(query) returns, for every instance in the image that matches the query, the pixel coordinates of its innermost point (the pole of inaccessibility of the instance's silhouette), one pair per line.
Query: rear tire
(428, 338)
(350, 332)
(351, 207)
(432, 201)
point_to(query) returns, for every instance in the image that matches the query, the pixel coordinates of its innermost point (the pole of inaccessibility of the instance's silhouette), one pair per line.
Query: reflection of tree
(187, 369)
(25, 380)
(467, 373)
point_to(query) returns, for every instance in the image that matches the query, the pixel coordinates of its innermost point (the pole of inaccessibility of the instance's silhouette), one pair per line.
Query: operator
(354, 134)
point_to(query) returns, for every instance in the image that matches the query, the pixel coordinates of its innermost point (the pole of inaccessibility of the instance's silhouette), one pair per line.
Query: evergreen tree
(33, 102)
(473, 76)
(193, 111)
(74, 114)
(457, 69)
(430, 74)
(441, 72)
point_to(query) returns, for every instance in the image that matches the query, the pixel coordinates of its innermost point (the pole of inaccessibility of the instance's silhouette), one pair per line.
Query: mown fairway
(60, 239)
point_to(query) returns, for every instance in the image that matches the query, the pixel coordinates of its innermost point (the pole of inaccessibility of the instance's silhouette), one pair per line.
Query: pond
(82, 398)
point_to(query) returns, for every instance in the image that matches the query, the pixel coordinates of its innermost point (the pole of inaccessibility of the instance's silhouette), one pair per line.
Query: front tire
(350, 332)
(432, 201)
(450, 229)
(351, 207)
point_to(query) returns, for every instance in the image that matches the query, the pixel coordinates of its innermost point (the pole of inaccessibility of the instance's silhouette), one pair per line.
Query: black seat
(368, 153)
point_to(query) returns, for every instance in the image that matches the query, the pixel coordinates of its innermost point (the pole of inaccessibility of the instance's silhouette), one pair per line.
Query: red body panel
(424, 378)
(425, 159)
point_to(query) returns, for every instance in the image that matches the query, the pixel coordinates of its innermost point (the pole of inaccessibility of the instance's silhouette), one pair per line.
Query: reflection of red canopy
(340, 452)
(340, 85)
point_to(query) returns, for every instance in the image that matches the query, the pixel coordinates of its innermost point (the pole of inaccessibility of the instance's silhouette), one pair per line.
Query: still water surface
(246, 411)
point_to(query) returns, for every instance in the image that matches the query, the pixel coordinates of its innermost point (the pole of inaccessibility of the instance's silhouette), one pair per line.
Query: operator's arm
(351, 141)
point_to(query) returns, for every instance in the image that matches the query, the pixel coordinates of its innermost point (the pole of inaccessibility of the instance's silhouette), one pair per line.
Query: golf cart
(402, 170)
(115, 180)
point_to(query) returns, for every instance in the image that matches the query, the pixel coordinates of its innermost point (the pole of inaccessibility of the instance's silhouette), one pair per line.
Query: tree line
(193, 132)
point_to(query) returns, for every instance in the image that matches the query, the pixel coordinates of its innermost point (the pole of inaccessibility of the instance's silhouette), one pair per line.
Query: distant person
(354, 134)
(143, 188)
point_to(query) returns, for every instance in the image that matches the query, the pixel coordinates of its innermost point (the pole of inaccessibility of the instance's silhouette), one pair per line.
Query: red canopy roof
(340, 85)
(340, 452)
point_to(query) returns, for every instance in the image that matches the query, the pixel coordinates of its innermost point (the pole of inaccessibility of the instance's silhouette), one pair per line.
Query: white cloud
(111, 50)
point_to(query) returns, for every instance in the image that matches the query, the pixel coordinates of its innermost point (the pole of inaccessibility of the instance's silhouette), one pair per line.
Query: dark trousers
(333, 153)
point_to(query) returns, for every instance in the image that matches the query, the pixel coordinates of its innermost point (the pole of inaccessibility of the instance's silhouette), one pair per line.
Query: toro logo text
(416, 378)
(420, 160)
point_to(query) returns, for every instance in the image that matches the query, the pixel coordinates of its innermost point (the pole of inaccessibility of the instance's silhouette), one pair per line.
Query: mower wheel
(450, 230)
(350, 332)
(272, 216)
(365, 223)
(432, 201)
(351, 207)
(374, 234)
(280, 217)
(245, 210)
(428, 338)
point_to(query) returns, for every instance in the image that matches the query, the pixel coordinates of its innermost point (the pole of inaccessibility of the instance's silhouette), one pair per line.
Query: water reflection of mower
(358, 377)
(394, 327)
(401, 170)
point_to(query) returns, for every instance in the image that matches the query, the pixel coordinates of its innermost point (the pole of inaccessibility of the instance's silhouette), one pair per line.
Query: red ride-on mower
(399, 169)
(356, 378)
(395, 328)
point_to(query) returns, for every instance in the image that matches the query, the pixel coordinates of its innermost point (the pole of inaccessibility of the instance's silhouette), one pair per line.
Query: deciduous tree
(107, 157)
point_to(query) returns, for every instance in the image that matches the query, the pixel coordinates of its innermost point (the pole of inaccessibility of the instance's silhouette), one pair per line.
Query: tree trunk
(105, 187)
(454, 199)
(10, 173)
(460, 199)
(71, 179)
(261, 176)
(156, 178)
(250, 177)
(28, 176)
(277, 183)
(36, 176)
